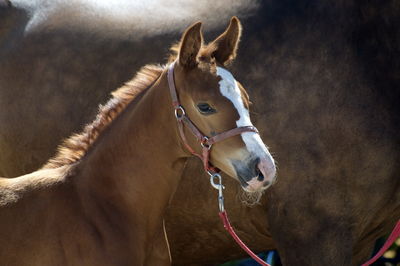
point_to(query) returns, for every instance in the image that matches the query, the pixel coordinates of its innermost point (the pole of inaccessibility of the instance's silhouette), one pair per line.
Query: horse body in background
(101, 200)
(324, 81)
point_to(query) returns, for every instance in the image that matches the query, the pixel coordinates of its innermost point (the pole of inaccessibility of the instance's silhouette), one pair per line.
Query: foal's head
(216, 102)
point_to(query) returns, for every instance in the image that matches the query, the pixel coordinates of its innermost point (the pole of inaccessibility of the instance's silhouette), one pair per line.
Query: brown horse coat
(91, 206)
(102, 199)
(324, 79)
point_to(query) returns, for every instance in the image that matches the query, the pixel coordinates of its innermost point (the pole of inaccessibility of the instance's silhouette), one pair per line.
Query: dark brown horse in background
(324, 78)
(102, 199)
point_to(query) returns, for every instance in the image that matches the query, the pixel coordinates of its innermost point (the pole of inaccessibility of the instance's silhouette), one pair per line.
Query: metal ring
(179, 108)
(203, 143)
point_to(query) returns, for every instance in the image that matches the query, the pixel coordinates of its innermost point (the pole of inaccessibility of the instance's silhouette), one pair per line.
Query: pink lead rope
(393, 236)
(224, 217)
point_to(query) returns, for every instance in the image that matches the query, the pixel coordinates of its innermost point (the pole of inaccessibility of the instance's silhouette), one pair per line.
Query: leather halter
(205, 141)
(206, 144)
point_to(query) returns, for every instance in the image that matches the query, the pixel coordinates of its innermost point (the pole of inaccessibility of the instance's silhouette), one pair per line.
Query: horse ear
(227, 43)
(191, 42)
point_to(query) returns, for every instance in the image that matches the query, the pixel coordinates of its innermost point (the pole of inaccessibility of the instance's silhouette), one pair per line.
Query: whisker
(250, 199)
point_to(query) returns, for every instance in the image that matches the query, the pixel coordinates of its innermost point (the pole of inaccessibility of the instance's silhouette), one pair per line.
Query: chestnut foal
(102, 199)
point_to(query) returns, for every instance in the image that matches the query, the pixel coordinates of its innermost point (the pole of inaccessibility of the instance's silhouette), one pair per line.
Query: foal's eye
(206, 109)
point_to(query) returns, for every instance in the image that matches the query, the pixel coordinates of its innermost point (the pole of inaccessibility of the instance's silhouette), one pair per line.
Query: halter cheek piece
(205, 142)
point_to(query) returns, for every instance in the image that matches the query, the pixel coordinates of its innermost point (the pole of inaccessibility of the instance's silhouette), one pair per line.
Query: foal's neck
(137, 162)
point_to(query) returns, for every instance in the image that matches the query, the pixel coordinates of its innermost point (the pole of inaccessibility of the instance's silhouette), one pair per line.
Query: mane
(76, 146)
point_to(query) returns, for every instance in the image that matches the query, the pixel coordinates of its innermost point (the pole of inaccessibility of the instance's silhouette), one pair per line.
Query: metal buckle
(203, 143)
(220, 188)
(182, 112)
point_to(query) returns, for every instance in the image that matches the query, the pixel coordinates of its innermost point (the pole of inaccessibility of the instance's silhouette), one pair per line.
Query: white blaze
(230, 89)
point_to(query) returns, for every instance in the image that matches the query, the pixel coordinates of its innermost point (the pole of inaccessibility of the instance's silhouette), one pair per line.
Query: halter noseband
(205, 142)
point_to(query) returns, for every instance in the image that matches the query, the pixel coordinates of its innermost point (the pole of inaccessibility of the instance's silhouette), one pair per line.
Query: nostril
(255, 164)
(258, 173)
(260, 176)
(267, 169)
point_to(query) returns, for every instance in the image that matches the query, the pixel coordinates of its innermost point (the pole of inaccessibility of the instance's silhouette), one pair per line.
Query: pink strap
(195, 131)
(171, 85)
(393, 236)
(230, 133)
(224, 217)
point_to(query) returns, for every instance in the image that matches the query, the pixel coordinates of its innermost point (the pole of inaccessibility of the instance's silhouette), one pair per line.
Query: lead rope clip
(220, 189)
